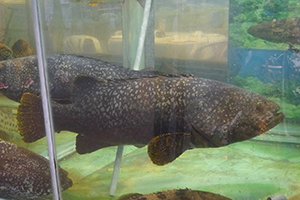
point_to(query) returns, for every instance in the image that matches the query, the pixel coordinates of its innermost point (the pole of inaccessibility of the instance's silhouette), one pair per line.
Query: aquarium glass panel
(160, 99)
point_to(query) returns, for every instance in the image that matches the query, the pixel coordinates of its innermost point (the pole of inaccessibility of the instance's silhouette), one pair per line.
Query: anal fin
(88, 143)
(139, 145)
(165, 148)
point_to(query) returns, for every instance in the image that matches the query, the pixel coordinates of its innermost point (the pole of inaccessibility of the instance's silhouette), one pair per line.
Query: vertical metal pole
(144, 26)
(46, 100)
(132, 14)
(150, 40)
(114, 179)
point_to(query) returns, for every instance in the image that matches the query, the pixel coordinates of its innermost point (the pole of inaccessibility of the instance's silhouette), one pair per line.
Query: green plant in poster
(246, 13)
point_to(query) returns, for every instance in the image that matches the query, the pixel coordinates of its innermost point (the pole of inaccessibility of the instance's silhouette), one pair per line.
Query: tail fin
(30, 118)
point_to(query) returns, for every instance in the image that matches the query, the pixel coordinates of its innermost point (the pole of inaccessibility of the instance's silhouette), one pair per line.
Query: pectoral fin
(165, 148)
(139, 145)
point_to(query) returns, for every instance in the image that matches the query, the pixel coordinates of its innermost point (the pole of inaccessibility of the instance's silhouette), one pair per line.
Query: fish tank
(148, 99)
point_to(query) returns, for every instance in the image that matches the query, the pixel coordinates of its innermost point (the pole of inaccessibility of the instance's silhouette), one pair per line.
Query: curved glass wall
(140, 101)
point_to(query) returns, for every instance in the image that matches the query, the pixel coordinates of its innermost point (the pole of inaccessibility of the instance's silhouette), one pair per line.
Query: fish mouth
(276, 119)
(251, 30)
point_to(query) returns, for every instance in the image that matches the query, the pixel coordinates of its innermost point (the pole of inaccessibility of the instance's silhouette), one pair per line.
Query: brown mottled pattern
(165, 148)
(180, 194)
(25, 174)
(62, 69)
(5, 52)
(278, 30)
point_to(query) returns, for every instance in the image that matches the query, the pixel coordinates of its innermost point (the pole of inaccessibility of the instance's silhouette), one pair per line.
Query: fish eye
(259, 106)
(267, 103)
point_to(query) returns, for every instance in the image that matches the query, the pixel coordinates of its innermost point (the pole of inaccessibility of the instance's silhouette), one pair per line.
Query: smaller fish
(8, 124)
(19, 49)
(180, 194)
(26, 175)
(278, 31)
(5, 52)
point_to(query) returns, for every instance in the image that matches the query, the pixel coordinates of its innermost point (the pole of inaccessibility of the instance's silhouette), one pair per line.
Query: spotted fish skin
(25, 174)
(134, 111)
(21, 75)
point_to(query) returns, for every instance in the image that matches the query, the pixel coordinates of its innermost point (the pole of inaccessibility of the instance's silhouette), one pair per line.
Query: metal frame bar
(42, 64)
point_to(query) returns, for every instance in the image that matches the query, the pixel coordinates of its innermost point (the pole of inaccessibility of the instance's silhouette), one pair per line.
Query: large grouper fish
(21, 75)
(169, 113)
(26, 175)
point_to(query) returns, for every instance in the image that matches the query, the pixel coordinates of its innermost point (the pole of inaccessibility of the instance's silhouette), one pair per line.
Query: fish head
(18, 76)
(263, 31)
(231, 115)
(10, 79)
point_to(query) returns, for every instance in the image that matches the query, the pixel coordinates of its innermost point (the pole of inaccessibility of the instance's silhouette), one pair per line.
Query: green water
(252, 169)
